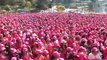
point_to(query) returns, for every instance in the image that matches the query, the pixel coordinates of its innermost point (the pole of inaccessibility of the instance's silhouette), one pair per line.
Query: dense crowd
(53, 36)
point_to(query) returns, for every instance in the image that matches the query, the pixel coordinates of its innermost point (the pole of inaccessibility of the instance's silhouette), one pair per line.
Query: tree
(41, 4)
(90, 6)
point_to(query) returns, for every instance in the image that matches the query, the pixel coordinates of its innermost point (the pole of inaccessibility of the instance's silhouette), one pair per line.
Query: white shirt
(94, 57)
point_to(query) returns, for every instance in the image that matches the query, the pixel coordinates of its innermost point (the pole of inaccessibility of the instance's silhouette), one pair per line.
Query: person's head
(13, 51)
(56, 54)
(83, 49)
(69, 49)
(94, 50)
(2, 48)
(25, 50)
(45, 52)
(13, 58)
(78, 37)
(61, 58)
(38, 52)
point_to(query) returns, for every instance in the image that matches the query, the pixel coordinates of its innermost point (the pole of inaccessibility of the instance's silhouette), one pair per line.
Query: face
(95, 52)
(25, 50)
(85, 52)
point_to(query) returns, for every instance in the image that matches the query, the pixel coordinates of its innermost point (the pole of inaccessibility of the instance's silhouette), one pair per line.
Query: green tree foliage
(25, 4)
(2, 2)
(5, 2)
(41, 4)
(90, 6)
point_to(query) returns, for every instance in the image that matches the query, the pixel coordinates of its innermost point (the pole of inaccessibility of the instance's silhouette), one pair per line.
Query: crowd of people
(53, 36)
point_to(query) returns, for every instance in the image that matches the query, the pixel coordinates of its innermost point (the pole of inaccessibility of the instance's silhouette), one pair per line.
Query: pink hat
(100, 40)
(56, 43)
(13, 50)
(28, 33)
(24, 45)
(11, 43)
(14, 40)
(34, 35)
(64, 41)
(27, 39)
(74, 45)
(40, 44)
(41, 34)
(105, 50)
(56, 54)
(1, 35)
(50, 45)
(13, 58)
(5, 40)
(92, 32)
(78, 36)
(25, 49)
(45, 52)
(2, 48)
(69, 49)
(94, 49)
(18, 38)
(84, 39)
(26, 42)
(83, 48)
(54, 37)
(1, 45)
(96, 44)
(38, 51)
(61, 58)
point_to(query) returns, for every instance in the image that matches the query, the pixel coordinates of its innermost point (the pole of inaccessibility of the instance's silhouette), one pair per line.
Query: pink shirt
(39, 58)
(82, 56)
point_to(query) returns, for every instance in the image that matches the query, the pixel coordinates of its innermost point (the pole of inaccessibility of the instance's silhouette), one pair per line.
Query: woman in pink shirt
(26, 54)
(82, 53)
(2, 52)
(39, 55)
